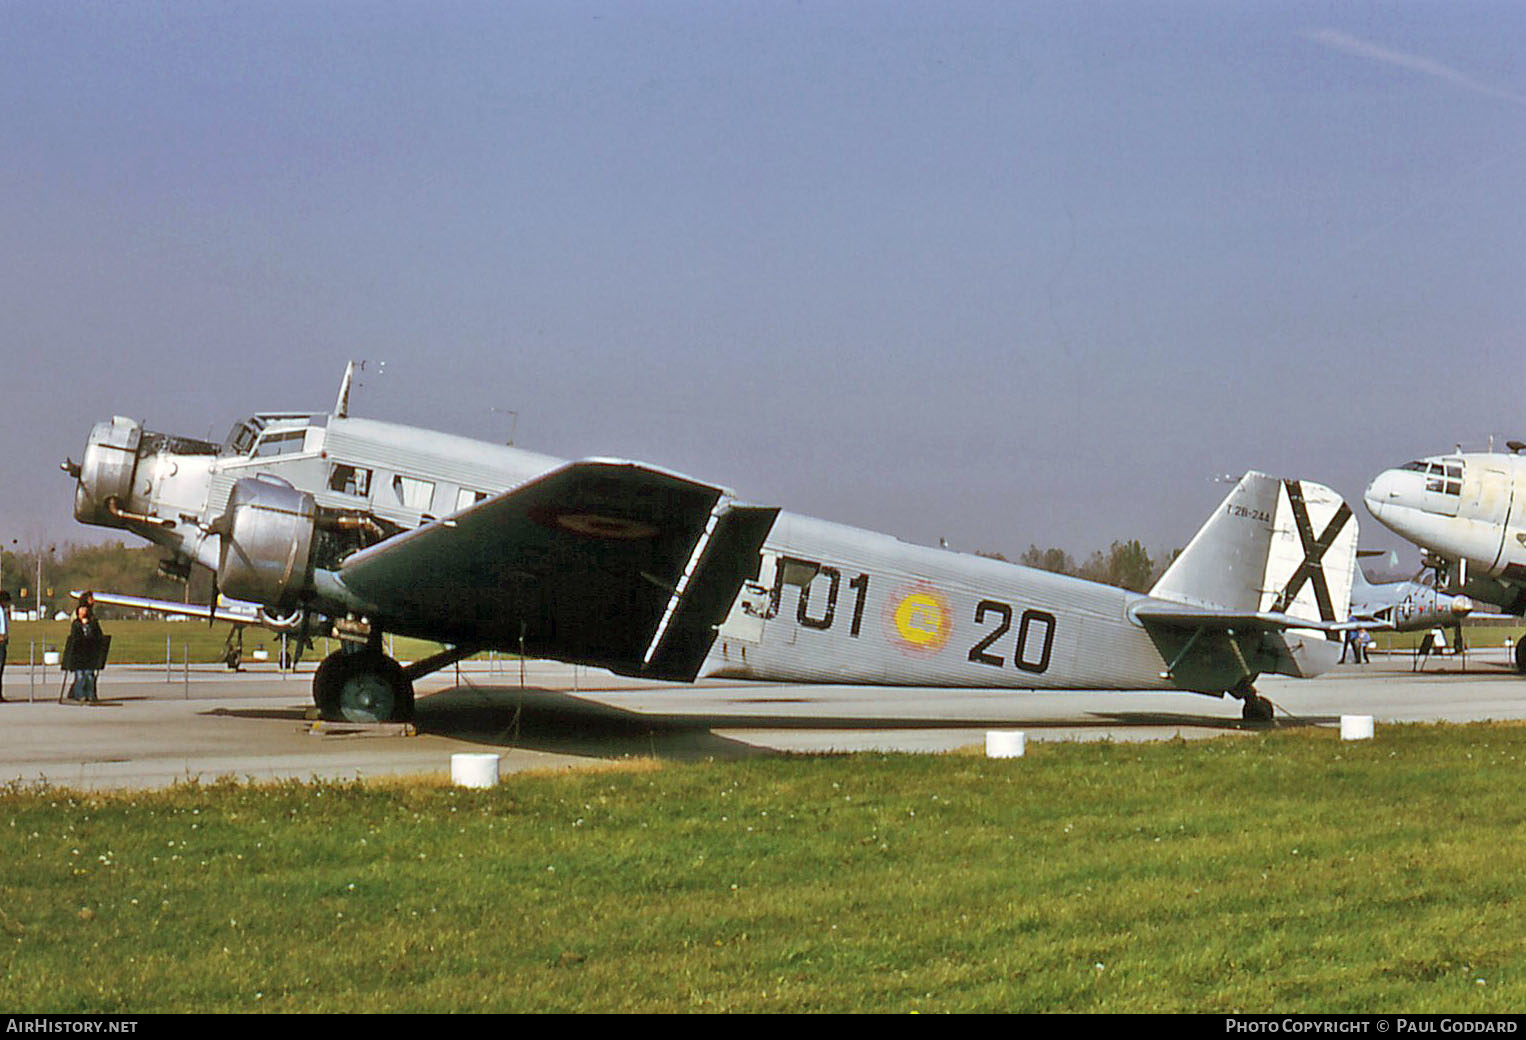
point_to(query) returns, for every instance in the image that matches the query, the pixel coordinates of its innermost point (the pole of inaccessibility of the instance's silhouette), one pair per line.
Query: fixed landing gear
(362, 686)
(1520, 655)
(1253, 706)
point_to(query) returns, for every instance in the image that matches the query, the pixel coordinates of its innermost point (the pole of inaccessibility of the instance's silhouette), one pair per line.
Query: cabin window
(350, 480)
(466, 498)
(413, 493)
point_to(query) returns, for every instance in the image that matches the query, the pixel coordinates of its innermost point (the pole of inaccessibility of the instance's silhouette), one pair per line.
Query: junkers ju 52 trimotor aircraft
(633, 568)
(1468, 512)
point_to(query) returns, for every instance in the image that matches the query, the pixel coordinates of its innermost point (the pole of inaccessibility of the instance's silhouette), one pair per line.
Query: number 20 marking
(1022, 656)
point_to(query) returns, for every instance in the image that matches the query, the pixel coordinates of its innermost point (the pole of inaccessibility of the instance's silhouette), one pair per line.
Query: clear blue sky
(1003, 273)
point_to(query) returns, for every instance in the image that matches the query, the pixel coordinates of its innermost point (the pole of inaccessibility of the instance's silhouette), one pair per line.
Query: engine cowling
(106, 471)
(267, 543)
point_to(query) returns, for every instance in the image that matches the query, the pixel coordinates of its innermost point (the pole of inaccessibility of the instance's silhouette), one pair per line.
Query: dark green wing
(607, 563)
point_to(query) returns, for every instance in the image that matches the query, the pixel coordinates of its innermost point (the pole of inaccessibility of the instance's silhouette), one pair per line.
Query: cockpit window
(1438, 483)
(242, 437)
(280, 442)
(1441, 477)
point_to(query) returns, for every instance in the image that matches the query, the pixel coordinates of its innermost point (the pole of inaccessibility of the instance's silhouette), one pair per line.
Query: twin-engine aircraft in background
(1467, 511)
(1409, 606)
(381, 528)
(1414, 605)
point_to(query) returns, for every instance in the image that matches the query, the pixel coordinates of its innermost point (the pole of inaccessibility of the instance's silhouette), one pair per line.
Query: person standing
(1363, 641)
(84, 651)
(5, 636)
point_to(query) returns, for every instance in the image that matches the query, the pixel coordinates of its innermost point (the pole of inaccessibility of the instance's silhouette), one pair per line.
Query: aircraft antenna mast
(513, 423)
(342, 404)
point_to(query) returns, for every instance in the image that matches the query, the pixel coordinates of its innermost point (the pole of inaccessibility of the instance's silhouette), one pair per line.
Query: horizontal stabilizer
(1165, 613)
(1200, 643)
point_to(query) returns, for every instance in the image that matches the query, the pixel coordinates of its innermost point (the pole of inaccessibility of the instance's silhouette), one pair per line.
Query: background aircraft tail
(1273, 546)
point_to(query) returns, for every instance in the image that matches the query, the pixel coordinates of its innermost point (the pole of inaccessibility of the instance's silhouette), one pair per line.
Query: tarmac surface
(157, 727)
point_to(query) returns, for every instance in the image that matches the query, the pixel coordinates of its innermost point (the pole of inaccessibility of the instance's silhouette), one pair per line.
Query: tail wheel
(1256, 708)
(362, 686)
(1253, 706)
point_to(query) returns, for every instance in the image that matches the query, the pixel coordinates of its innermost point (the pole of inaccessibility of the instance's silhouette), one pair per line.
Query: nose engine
(105, 472)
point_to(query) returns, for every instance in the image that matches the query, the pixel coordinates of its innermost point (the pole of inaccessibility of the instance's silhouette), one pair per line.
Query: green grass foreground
(1280, 872)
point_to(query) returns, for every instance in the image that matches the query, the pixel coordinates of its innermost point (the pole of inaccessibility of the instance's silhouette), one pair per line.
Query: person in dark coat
(85, 651)
(5, 634)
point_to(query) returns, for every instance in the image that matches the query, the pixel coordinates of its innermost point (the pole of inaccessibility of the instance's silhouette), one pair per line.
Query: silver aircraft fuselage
(390, 528)
(1468, 512)
(828, 600)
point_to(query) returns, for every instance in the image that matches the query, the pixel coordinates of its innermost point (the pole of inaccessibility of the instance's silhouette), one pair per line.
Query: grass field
(148, 642)
(1285, 872)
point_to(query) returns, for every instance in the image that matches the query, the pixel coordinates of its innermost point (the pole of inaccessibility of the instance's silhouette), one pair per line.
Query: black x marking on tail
(1314, 549)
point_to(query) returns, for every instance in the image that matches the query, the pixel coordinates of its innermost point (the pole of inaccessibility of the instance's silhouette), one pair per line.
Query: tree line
(1128, 565)
(110, 566)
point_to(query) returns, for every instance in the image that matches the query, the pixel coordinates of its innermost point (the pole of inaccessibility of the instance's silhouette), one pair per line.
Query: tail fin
(1277, 546)
(1361, 587)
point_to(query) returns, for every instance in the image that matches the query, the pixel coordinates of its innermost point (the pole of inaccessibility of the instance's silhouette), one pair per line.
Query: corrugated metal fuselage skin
(878, 610)
(831, 603)
(412, 475)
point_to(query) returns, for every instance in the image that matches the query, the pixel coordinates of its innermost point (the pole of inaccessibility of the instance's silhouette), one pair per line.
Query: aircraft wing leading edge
(606, 562)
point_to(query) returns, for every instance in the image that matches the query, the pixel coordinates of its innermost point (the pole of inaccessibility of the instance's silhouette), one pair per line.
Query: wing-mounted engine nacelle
(106, 472)
(267, 543)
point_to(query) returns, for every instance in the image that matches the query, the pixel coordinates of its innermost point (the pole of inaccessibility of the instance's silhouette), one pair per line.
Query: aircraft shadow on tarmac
(542, 720)
(554, 721)
(558, 722)
(1181, 719)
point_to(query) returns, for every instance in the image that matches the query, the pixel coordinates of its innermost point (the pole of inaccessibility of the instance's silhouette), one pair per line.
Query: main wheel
(362, 686)
(1255, 708)
(1520, 654)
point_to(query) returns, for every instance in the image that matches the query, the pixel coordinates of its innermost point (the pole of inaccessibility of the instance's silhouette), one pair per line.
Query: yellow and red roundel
(594, 525)
(918, 619)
